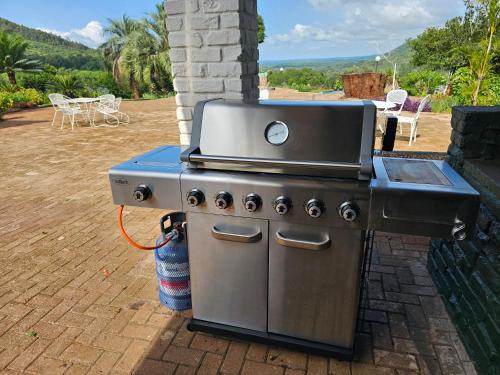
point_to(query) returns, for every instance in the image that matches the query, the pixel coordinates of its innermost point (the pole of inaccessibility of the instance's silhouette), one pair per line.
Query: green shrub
(26, 96)
(463, 85)
(6, 103)
(443, 104)
(422, 82)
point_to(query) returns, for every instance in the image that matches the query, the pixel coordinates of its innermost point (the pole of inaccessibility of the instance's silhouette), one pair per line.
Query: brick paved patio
(76, 299)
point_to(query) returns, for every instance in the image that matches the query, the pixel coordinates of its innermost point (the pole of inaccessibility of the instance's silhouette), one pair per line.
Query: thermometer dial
(276, 133)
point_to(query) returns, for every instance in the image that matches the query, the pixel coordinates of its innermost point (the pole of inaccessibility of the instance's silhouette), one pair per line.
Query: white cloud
(92, 34)
(370, 22)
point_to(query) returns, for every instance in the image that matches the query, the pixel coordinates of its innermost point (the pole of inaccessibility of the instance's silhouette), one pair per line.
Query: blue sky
(294, 28)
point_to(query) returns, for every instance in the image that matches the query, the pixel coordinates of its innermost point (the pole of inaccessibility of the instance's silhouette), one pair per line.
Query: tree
(261, 29)
(13, 56)
(480, 56)
(120, 31)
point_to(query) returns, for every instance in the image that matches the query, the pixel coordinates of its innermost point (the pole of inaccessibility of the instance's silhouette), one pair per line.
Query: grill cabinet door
(228, 259)
(313, 290)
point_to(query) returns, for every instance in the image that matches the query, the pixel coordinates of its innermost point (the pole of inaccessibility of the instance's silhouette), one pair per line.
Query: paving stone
(448, 359)
(366, 369)
(81, 354)
(252, 368)
(152, 367)
(337, 367)
(29, 355)
(184, 356)
(44, 365)
(390, 282)
(287, 358)
(110, 342)
(381, 336)
(257, 352)
(397, 360)
(387, 306)
(234, 358)
(374, 316)
(210, 364)
(402, 297)
(415, 316)
(397, 323)
(132, 356)
(105, 363)
(209, 344)
(317, 365)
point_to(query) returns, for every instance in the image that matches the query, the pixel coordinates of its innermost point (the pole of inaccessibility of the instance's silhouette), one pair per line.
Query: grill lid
(312, 138)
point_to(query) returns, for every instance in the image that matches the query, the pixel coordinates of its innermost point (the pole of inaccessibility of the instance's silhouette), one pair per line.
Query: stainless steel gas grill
(279, 197)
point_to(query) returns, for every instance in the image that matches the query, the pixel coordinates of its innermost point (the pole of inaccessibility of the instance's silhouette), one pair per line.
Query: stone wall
(467, 273)
(213, 52)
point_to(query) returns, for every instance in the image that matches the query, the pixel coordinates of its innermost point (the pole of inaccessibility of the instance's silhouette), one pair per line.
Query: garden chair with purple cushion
(413, 121)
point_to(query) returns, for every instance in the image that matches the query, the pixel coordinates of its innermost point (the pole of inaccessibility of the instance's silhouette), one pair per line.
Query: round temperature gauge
(276, 133)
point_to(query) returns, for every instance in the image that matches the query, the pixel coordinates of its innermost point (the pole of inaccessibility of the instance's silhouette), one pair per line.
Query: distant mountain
(54, 50)
(400, 55)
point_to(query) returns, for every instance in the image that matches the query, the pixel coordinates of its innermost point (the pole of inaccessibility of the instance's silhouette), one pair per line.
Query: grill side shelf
(429, 200)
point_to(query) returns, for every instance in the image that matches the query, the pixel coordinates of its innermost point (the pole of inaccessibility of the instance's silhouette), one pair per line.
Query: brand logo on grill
(121, 181)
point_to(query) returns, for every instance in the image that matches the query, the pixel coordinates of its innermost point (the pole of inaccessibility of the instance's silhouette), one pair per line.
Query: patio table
(86, 103)
(383, 104)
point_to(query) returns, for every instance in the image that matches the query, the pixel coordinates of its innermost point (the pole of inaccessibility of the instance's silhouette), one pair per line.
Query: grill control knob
(348, 211)
(142, 193)
(223, 200)
(282, 205)
(252, 202)
(314, 208)
(195, 198)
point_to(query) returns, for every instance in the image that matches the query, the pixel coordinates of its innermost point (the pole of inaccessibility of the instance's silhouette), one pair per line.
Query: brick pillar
(467, 273)
(213, 50)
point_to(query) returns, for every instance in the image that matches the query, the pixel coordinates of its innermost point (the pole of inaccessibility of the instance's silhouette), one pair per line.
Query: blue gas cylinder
(172, 264)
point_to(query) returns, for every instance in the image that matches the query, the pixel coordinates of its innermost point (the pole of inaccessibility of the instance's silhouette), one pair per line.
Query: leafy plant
(67, 84)
(13, 56)
(30, 96)
(440, 104)
(6, 103)
(422, 82)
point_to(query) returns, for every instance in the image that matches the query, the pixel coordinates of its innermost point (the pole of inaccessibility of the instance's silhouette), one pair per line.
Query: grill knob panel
(315, 208)
(349, 211)
(142, 193)
(223, 200)
(282, 205)
(252, 202)
(195, 198)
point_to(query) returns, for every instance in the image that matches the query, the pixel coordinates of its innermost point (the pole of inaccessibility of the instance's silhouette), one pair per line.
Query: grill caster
(349, 211)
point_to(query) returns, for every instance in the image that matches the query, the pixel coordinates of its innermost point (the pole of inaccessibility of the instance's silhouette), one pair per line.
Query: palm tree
(13, 56)
(120, 31)
(158, 59)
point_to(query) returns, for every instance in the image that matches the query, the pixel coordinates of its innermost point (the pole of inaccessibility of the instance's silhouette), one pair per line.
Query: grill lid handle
(303, 244)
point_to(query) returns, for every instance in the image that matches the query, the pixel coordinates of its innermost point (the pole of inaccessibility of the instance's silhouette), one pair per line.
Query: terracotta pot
(364, 85)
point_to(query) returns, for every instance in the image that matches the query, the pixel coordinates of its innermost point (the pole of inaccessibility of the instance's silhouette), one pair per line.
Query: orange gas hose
(130, 240)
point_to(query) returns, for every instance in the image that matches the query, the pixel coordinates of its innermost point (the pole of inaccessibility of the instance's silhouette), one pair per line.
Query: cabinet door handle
(236, 237)
(302, 244)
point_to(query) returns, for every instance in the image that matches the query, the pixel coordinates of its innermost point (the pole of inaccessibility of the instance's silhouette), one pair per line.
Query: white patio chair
(396, 97)
(413, 121)
(110, 109)
(67, 107)
(55, 100)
